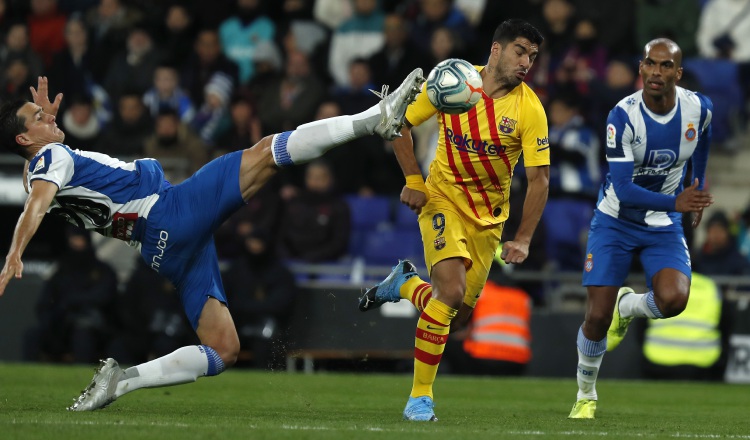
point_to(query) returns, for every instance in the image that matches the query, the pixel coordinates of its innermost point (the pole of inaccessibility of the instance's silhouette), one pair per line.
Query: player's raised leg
(310, 141)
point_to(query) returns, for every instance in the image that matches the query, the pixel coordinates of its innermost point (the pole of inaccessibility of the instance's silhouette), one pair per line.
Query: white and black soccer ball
(454, 86)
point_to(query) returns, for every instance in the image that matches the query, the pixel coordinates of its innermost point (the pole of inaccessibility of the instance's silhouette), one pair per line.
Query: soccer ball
(454, 86)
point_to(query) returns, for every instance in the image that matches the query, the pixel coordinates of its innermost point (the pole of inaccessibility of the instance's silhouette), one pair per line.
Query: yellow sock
(432, 333)
(417, 291)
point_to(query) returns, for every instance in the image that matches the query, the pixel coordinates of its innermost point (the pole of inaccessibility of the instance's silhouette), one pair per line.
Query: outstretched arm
(517, 250)
(40, 197)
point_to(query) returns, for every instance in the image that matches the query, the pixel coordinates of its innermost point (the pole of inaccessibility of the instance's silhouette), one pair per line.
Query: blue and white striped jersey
(98, 192)
(647, 155)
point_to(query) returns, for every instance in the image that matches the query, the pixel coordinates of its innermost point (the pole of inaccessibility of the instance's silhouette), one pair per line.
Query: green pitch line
(255, 405)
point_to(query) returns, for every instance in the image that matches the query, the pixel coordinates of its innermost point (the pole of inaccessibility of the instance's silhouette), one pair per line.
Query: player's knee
(452, 296)
(671, 302)
(598, 320)
(227, 346)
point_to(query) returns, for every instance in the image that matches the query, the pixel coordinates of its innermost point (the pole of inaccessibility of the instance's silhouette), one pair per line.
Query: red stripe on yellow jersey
(478, 150)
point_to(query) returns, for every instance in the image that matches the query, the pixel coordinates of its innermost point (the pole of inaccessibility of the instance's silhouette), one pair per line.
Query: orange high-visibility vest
(500, 325)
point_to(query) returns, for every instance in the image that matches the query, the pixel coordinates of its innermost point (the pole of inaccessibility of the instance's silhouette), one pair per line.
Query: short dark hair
(513, 28)
(11, 125)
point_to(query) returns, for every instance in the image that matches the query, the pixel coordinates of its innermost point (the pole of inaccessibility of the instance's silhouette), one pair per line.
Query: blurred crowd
(186, 81)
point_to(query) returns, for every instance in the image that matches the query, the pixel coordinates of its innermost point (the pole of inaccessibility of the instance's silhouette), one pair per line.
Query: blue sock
(278, 149)
(652, 305)
(215, 364)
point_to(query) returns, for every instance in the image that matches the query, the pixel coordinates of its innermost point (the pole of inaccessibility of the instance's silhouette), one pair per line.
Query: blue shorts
(612, 244)
(177, 237)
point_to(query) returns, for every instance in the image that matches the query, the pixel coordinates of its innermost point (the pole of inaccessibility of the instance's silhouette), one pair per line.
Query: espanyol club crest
(589, 264)
(506, 125)
(690, 133)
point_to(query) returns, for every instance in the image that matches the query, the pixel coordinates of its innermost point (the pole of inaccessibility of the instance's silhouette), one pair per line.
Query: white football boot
(101, 390)
(393, 106)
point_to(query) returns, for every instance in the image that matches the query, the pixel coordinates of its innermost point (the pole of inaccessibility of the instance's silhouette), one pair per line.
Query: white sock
(183, 365)
(590, 355)
(639, 305)
(309, 141)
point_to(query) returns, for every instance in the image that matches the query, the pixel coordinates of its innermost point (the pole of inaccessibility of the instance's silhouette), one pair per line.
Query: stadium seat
(719, 80)
(389, 245)
(369, 212)
(565, 221)
(405, 218)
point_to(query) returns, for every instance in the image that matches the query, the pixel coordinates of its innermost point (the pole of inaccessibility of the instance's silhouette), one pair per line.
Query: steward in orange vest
(500, 325)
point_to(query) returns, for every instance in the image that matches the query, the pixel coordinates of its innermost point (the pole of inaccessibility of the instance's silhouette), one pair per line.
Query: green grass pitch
(256, 405)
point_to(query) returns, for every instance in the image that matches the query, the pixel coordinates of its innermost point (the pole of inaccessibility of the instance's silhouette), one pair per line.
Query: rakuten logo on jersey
(161, 245)
(463, 143)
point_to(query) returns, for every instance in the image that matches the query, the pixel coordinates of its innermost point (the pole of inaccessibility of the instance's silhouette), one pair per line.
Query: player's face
(659, 71)
(513, 61)
(41, 128)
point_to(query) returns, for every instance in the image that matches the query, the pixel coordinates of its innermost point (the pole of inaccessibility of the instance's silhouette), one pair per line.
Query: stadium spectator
(133, 69)
(444, 44)
(110, 22)
(316, 223)
(497, 339)
(358, 37)
(356, 95)
(332, 13)
(15, 80)
(292, 98)
(584, 61)
(176, 35)
(674, 19)
(17, 47)
(130, 127)
(261, 291)
(166, 93)
(722, 33)
(268, 67)
(46, 29)
(71, 67)
(206, 60)
(434, 14)
(245, 127)
(557, 26)
(639, 214)
(262, 212)
(606, 92)
(693, 345)
(76, 306)
(399, 55)
(576, 171)
(242, 32)
(719, 253)
(173, 139)
(174, 224)
(80, 123)
(461, 223)
(212, 117)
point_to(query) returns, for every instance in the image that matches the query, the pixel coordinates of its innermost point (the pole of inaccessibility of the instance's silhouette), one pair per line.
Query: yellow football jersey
(478, 150)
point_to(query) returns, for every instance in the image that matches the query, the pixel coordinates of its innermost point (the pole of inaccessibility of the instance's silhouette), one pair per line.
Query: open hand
(693, 200)
(41, 97)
